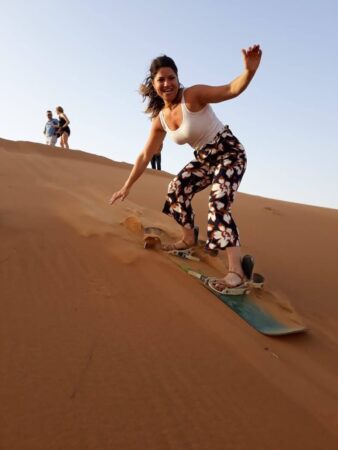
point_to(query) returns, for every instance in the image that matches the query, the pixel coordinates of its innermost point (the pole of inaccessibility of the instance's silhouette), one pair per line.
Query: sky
(90, 58)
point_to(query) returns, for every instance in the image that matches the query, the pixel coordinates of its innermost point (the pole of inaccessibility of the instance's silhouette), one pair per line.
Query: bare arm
(203, 94)
(154, 142)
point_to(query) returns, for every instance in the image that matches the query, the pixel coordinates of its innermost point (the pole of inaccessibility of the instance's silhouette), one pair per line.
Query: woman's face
(166, 84)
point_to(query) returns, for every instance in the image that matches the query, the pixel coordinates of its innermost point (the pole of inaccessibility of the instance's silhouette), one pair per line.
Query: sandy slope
(107, 346)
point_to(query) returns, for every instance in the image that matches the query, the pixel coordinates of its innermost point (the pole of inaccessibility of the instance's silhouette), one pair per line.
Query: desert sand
(105, 345)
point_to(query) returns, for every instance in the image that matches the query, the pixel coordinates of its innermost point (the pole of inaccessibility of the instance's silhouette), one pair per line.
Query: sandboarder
(220, 160)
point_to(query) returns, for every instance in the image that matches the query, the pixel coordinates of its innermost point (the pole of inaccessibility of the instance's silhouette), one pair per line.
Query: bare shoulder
(192, 97)
(156, 124)
(191, 91)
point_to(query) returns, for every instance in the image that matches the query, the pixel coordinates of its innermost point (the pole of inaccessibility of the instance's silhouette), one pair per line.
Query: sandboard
(261, 309)
(268, 313)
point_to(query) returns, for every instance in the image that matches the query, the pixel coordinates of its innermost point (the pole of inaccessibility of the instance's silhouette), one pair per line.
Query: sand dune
(107, 346)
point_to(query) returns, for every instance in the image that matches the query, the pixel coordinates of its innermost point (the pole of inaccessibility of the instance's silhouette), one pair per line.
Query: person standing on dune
(156, 160)
(64, 130)
(50, 130)
(220, 160)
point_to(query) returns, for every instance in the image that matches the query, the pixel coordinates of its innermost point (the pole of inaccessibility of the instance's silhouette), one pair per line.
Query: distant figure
(64, 130)
(156, 160)
(50, 130)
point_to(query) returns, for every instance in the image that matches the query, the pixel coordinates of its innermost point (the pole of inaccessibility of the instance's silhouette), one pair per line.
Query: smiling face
(166, 84)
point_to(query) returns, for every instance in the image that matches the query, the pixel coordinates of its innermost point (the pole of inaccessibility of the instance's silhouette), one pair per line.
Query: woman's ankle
(189, 236)
(236, 269)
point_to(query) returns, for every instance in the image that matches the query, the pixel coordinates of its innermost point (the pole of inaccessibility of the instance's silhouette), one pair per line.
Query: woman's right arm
(154, 142)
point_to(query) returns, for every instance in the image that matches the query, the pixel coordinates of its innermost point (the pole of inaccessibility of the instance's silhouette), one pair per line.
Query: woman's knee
(175, 186)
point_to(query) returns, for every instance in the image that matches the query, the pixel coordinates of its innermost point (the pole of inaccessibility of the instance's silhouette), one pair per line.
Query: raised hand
(121, 194)
(252, 58)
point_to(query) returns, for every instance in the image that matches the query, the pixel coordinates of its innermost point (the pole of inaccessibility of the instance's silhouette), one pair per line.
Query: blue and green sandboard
(263, 310)
(257, 317)
(269, 313)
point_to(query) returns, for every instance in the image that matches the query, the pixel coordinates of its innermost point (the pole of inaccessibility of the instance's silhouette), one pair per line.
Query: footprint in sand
(272, 210)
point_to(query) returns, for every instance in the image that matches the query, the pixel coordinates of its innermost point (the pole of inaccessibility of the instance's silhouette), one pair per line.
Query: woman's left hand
(252, 58)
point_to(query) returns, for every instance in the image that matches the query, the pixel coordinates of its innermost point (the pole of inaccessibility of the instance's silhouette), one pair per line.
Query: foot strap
(236, 290)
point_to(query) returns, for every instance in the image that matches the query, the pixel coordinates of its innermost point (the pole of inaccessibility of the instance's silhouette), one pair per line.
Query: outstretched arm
(154, 142)
(214, 94)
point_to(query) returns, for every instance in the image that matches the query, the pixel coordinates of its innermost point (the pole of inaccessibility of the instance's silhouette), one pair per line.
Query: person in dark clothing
(156, 160)
(64, 130)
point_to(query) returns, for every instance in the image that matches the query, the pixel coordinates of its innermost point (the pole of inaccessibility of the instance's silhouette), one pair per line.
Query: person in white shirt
(220, 159)
(50, 130)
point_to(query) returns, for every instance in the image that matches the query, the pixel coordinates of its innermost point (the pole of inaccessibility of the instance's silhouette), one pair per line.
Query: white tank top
(197, 128)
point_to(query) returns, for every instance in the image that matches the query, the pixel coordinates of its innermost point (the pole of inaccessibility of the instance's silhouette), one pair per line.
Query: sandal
(238, 289)
(174, 247)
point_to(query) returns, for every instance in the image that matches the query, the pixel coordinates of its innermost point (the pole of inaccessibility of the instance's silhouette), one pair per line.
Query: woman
(220, 160)
(64, 130)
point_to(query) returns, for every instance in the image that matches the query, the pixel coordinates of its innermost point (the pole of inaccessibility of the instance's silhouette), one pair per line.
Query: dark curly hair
(155, 102)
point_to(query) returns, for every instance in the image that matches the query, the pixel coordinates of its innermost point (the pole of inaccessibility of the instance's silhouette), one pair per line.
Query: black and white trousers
(220, 164)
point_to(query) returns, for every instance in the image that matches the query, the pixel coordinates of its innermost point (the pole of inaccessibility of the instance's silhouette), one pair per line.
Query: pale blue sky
(90, 58)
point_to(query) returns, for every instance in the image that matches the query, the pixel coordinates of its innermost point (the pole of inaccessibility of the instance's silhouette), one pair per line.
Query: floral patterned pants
(221, 164)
